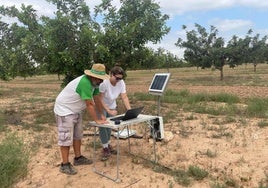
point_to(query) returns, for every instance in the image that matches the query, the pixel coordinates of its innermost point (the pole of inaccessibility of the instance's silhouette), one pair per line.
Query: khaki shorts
(69, 129)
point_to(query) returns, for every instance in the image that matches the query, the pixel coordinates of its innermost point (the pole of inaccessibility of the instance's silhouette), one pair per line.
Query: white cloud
(180, 7)
(254, 3)
(42, 7)
(231, 25)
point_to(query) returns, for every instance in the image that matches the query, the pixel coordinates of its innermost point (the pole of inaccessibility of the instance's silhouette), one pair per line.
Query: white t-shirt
(112, 92)
(71, 99)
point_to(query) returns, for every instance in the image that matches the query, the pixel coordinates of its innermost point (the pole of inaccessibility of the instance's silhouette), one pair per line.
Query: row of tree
(206, 49)
(74, 38)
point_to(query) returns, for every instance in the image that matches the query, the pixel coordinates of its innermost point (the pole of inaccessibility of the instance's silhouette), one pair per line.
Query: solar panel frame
(159, 83)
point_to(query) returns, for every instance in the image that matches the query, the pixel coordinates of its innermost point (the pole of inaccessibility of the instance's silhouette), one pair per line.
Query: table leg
(94, 150)
(129, 149)
(116, 179)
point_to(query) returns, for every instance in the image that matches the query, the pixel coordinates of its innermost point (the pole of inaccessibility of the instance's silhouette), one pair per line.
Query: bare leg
(77, 148)
(65, 153)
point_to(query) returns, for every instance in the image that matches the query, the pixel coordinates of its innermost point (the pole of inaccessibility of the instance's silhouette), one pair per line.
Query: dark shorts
(69, 128)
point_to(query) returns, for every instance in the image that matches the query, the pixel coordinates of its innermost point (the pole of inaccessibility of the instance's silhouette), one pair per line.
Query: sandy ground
(233, 152)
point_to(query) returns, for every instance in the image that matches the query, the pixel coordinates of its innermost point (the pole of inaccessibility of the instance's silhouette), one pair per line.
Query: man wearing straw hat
(80, 94)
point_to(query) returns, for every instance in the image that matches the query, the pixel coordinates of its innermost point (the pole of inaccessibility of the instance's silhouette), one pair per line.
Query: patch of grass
(219, 97)
(221, 132)
(257, 107)
(45, 115)
(263, 124)
(13, 160)
(197, 173)
(180, 176)
(229, 119)
(231, 183)
(3, 128)
(214, 104)
(12, 117)
(144, 96)
(171, 114)
(217, 185)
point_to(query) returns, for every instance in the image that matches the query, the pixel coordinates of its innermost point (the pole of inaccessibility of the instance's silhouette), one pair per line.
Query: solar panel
(159, 83)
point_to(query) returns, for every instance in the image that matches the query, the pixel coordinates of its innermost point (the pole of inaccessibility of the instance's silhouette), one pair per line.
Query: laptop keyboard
(117, 118)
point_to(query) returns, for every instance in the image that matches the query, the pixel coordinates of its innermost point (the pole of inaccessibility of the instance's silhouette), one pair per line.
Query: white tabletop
(141, 118)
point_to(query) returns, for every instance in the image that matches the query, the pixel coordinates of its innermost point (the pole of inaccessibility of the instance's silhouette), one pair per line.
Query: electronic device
(130, 114)
(157, 129)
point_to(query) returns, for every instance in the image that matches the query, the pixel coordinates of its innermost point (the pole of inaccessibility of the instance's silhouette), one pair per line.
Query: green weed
(13, 160)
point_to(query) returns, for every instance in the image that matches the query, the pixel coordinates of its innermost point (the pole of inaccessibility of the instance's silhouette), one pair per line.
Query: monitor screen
(159, 83)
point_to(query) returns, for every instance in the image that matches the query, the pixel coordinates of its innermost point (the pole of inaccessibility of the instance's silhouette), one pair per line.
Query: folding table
(142, 118)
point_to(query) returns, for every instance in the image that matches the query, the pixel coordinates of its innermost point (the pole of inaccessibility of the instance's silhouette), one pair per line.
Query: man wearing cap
(80, 94)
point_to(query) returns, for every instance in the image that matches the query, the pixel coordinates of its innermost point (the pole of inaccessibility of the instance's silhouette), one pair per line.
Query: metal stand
(116, 179)
(144, 118)
(158, 106)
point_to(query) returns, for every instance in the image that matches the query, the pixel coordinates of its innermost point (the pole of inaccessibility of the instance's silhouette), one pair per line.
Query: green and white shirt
(71, 99)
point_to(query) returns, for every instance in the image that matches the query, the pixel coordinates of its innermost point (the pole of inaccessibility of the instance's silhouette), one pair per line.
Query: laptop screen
(130, 114)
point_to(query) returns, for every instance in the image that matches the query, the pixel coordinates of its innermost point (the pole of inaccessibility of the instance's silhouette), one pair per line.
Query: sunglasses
(117, 78)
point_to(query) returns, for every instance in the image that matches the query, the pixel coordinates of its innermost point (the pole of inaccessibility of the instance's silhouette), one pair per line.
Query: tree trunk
(221, 72)
(255, 67)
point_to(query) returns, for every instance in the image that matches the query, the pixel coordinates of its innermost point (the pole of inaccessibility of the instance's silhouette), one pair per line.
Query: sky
(230, 17)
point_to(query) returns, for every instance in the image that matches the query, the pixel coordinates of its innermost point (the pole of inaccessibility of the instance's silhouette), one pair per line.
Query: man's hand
(102, 122)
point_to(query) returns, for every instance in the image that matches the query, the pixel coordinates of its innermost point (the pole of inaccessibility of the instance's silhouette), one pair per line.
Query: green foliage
(203, 49)
(207, 50)
(21, 44)
(13, 160)
(128, 28)
(71, 41)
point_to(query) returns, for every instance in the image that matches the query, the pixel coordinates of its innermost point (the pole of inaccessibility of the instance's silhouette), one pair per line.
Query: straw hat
(97, 71)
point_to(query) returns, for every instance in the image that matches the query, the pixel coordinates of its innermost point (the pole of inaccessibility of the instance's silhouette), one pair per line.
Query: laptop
(130, 114)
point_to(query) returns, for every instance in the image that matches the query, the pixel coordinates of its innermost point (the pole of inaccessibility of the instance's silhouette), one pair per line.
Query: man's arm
(99, 105)
(92, 112)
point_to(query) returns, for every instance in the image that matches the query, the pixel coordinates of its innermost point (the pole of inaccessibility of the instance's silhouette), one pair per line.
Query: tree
(71, 41)
(129, 28)
(257, 50)
(25, 41)
(204, 49)
(237, 50)
(5, 51)
(247, 50)
(70, 38)
(116, 40)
